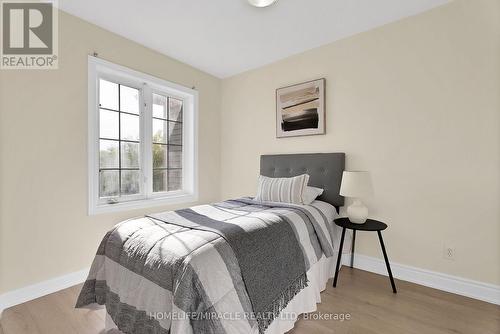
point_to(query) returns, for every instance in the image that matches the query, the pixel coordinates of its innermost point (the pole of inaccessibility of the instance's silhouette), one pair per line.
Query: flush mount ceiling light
(261, 3)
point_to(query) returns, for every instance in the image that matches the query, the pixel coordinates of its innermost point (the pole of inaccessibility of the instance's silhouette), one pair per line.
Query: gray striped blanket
(228, 267)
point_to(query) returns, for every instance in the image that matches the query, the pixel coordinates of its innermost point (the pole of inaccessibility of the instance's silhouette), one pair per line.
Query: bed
(238, 266)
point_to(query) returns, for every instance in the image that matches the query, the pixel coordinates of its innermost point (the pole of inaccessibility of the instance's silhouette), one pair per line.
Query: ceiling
(227, 37)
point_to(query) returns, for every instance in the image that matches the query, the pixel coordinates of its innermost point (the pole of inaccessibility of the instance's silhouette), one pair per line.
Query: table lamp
(356, 184)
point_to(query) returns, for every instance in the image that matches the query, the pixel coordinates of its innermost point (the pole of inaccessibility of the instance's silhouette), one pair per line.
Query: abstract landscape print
(300, 109)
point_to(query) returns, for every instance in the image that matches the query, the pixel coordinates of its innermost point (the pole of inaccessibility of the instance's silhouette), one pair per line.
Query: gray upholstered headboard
(325, 171)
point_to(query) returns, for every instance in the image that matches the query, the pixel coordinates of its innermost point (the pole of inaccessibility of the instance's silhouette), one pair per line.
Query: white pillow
(310, 194)
(282, 189)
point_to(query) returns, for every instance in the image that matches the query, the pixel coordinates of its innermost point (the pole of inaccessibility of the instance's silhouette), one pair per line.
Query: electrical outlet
(449, 253)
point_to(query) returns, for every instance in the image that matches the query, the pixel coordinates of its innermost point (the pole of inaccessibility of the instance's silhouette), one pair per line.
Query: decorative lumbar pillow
(282, 189)
(310, 194)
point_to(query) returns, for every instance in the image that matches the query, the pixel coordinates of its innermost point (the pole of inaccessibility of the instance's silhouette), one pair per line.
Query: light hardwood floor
(366, 297)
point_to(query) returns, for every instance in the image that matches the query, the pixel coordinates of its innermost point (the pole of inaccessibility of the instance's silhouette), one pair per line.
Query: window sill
(96, 209)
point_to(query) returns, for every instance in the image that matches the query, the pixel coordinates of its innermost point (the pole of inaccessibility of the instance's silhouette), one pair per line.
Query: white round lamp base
(357, 212)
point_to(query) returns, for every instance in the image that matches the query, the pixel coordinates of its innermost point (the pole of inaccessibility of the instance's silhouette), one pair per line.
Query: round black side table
(369, 225)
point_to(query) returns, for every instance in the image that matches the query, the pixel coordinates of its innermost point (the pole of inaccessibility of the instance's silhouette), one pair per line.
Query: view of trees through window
(119, 140)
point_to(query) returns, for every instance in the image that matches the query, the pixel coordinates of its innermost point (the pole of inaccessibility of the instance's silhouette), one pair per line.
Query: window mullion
(119, 145)
(147, 140)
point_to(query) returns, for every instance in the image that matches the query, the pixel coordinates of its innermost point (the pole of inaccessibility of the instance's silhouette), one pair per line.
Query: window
(142, 140)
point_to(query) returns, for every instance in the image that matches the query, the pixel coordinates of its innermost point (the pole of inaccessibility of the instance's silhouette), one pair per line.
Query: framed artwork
(300, 109)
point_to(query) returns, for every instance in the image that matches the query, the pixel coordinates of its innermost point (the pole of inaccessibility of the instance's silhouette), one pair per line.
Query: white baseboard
(34, 291)
(460, 286)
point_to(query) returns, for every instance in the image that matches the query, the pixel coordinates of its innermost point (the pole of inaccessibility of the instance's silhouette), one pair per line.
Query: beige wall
(415, 103)
(45, 231)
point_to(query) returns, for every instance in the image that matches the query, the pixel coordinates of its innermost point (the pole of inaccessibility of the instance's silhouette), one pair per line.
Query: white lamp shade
(356, 184)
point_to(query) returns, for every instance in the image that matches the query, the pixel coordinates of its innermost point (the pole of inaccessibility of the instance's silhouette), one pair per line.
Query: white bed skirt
(304, 302)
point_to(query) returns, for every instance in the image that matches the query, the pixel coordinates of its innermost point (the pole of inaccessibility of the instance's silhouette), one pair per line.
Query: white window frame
(147, 84)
